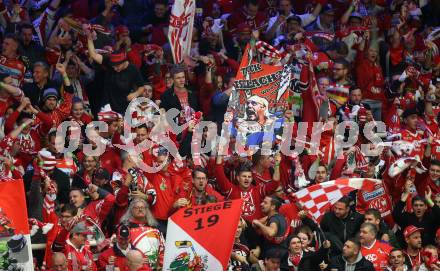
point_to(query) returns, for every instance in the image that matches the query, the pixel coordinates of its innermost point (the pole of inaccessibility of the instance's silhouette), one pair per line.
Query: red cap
(121, 29)
(117, 58)
(108, 116)
(437, 234)
(244, 28)
(410, 230)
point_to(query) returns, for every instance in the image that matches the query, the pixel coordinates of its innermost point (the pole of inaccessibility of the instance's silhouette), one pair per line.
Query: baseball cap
(81, 228)
(244, 28)
(410, 230)
(117, 58)
(437, 234)
(50, 92)
(123, 232)
(102, 173)
(328, 8)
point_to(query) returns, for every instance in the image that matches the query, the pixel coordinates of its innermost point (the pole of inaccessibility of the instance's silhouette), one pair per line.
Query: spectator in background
(397, 261)
(59, 262)
(350, 259)
(413, 240)
(341, 224)
(372, 249)
(40, 82)
(116, 255)
(420, 217)
(123, 81)
(78, 255)
(135, 261)
(30, 49)
(11, 63)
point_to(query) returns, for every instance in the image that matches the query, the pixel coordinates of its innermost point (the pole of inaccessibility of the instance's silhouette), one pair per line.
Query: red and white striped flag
(181, 28)
(318, 198)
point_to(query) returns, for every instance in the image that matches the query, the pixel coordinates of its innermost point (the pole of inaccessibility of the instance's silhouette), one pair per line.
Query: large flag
(201, 237)
(181, 28)
(14, 227)
(318, 198)
(260, 83)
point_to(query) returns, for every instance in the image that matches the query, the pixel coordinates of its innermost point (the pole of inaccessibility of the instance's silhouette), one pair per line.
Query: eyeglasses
(139, 208)
(200, 178)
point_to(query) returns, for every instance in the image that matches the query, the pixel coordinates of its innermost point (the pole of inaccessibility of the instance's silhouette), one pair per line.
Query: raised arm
(98, 58)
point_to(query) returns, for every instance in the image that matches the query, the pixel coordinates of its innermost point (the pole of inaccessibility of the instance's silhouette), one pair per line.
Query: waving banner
(181, 28)
(262, 89)
(318, 198)
(15, 242)
(193, 237)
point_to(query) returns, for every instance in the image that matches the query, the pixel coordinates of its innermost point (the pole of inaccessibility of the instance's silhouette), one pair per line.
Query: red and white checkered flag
(318, 198)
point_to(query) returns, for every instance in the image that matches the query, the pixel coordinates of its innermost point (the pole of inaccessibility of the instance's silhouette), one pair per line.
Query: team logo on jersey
(371, 257)
(248, 204)
(188, 260)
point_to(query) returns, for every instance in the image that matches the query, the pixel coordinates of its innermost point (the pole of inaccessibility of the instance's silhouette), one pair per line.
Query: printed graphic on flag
(318, 198)
(181, 28)
(193, 237)
(15, 242)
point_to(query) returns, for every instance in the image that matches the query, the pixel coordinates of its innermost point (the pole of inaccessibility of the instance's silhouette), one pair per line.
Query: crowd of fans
(79, 60)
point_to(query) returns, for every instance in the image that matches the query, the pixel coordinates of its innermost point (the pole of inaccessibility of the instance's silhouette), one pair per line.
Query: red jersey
(370, 78)
(14, 67)
(264, 178)
(435, 147)
(5, 103)
(377, 254)
(191, 196)
(378, 199)
(99, 209)
(290, 212)
(166, 186)
(78, 259)
(414, 138)
(116, 252)
(252, 197)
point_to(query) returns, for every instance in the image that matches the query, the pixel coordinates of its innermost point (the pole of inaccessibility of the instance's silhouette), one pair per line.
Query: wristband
(65, 77)
(2, 84)
(23, 125)
(430, 202)
(12, 168)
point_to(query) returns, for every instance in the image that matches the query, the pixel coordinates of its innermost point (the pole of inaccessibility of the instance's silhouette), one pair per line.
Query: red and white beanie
(49, 161)
(108, 116)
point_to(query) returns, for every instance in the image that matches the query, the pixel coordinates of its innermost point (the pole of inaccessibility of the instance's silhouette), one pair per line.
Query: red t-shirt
(377, 254)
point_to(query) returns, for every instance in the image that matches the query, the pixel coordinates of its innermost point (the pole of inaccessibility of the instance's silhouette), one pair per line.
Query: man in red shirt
(248, 14)
(252, 195)
(135, 262)
(413, 239)
(199, 192)
(116, 255)
(429, 179)
(10, 62)
(411, 134)
(372, 249)
(9, 94)
(79, 257)
(166, 186)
